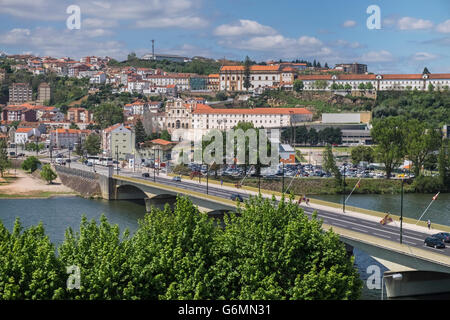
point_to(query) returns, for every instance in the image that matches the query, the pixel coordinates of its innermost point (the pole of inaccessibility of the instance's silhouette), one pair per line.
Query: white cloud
(347, 44)
(177, 22)
(408, 23)
(444, 27)
(243, 27)
(421, 56)
(377, 56)
(58, 43)
(349, 24)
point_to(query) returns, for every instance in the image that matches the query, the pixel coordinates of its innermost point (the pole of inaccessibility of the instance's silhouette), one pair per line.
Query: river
(57, 214)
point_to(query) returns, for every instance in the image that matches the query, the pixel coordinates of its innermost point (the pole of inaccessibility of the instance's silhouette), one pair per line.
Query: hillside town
(37, 121)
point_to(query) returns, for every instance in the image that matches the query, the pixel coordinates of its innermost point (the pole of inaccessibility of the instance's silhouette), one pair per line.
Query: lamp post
(282, 187)
(154, 164)
(401, 214)
(70, 148)
(343, 189)
(207, 176)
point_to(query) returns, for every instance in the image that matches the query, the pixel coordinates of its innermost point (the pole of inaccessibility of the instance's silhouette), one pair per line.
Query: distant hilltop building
(352, 117)
(356, 68)
(168, 57)
(378, 82)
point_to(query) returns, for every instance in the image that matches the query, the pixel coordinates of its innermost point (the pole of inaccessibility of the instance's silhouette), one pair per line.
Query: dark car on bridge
(443, 236)
(176, 178)
(434, 242)
(146, 175)
(236, 197)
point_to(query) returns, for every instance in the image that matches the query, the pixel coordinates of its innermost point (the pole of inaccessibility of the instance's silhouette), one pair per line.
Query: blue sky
(413, 34)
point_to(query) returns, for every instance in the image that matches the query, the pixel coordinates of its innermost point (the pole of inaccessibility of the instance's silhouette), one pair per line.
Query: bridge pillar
(413, 283)
(108, 187)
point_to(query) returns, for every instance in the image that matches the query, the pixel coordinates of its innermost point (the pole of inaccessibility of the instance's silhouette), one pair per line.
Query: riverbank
(28, 186)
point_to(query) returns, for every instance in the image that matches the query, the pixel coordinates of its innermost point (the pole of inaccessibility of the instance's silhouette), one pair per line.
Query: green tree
(369, 86)
(444, 164)
(420, 141)
(102, 256)
(313, 137)
(48, 174)
(139, 132)
(108, 114)
(273, 251)
(362, 86)
(321, 84)
(347, 87)
(430, 87)
(173, 254)
(362, 153)
(29, 268)
(298, 85)
(329, 164)
(30, 164)
(92, 144)
(247, 64)
(165, 135)
(389, 136)
(74, 126)
(5, 163)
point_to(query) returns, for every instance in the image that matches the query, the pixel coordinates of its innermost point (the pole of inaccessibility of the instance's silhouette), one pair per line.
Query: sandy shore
(27, 185)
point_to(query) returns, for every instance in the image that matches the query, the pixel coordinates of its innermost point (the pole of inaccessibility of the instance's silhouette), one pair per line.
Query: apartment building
(18, 113)
(118, 140)
(79, 115)
(44, 93)
(66, 138)
(20, 93)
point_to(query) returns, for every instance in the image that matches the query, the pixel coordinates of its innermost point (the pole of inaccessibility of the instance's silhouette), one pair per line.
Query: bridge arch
(129, 192)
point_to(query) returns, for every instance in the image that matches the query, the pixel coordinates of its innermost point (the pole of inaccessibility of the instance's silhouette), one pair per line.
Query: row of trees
(397, 139)
(266, 251)
(313, 137)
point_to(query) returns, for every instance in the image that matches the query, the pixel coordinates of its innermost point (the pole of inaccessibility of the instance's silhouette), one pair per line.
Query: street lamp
(401, 213)
(343, 189)
(117, 159)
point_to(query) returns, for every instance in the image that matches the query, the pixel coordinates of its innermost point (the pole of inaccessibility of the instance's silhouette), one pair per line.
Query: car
(443, 236)
(146, 175)
(236, 197)
(176, 178)
(89, 164)
(434, 242)
(68, 160)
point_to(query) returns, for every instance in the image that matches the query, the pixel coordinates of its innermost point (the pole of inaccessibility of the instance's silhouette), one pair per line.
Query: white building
(98, 78)
(379, 82)
(23, 135)
(232, 78)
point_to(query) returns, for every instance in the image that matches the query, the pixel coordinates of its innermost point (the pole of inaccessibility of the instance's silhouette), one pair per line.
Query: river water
(57, 214)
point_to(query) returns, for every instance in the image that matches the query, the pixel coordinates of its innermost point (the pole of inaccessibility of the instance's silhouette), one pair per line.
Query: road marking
(406, 241)
(365, 231)
(382, 235)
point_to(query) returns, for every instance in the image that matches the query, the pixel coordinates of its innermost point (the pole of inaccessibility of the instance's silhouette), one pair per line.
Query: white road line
(382, 235)
(340, 225)
(406, 241)
(365, 231)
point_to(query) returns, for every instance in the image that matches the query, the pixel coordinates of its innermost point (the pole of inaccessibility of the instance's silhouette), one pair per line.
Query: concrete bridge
(381, 243)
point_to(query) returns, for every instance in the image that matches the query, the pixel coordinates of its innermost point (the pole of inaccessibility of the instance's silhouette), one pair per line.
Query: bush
(426, 184)
(31, 164)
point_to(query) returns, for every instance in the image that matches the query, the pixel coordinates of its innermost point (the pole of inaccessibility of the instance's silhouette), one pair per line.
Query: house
(65, 138)
(98, 78)
(23, 135)
(18, 113)
(79, 115)
(20, 93)
(157, 151)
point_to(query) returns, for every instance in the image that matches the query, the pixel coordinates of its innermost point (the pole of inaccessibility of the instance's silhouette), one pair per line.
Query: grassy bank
(37, 194)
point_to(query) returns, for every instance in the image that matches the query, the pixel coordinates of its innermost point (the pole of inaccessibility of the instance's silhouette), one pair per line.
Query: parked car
(146, 175)
(176, 178)
(89, 164)
(236, 197)
(443, 236)
(434, 242)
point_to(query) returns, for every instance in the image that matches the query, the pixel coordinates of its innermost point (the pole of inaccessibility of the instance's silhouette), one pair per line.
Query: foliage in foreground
(265, 251)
